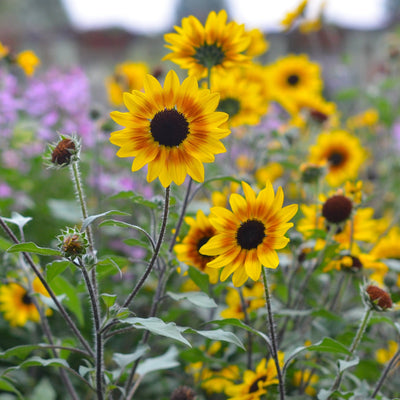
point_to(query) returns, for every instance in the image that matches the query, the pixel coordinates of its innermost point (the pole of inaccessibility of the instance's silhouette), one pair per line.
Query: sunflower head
(62, 153)
(72, 243)
(173, 129)
(247, 237)
(217, 44)
(377, 299)
(337, 209)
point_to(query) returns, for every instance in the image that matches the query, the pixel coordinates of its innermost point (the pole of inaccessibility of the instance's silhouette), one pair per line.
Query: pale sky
(157, 16)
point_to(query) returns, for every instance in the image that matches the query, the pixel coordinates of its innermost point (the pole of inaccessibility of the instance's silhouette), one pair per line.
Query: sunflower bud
(63, 153)
(183, 393)
(311, 173)
(73, 243)
(337, 209)
(377, 298)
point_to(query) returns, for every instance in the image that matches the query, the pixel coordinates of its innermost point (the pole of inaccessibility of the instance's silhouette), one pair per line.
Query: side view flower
(174, 129)
(248, 236)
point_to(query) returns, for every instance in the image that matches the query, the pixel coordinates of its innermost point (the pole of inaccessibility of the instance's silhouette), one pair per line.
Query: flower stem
(156, 251)
(356, 341)
(36, 270)
(385, 373)
(181, 216)
(249, 334)
(98, 335)
(273, 336)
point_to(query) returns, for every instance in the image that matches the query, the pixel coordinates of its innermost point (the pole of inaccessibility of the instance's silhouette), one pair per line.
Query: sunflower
(343, 154)
(17, 305)
(248, 236)
(291, 17)
(28, 61)
(254, 298)
(217, 44)
(292, 75)
(258, 44)
(173, 129)
(304, 379)
(240, 97)
(385, 355)
(127, 76)
(388, 245)
(199, 233)
(255, 382)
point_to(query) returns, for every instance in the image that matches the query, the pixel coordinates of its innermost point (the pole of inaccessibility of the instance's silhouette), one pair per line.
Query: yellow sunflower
(385, 355)
(254, 298)
(342, 153)
(127, 76)
(174, 129)
(290, 17)
(248, 236)
(255, 382)
(28, 61)
(240, 97)
(217, 44)
(388, 246)
(4, 50)
(306, 378)
(258, 44)
(199, 233)
(17, 304)
(293, 74)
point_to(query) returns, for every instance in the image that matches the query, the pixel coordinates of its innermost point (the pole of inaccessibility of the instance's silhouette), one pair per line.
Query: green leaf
(166, 361)
(136, 242)
(61, 286)
(108, 266)
(30, 247)
(108, 299)
(240, 324)
(343, 365)
(56, 268)
(7, 386)
(89, 220)
(328, 345)
(20, 352)
(18, 219)
(124, 360)
(158, 327)
(199, 278)
(4, 244)
(43, 390)
(199, 299)
(122, 224)
(219, 334)
(136, 199)
(42, 362)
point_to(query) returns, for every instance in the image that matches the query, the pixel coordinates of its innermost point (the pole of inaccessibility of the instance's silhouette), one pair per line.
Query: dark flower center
(336, 158)
(337, 209)
(209, 55)
(355, 266)
(254, 387)
(229, 105)
(202, 242)
(169, 127)
(26, 299)
(250, 234)
(293, 80)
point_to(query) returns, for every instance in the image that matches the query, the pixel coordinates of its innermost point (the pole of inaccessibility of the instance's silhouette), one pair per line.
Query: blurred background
(97, 35)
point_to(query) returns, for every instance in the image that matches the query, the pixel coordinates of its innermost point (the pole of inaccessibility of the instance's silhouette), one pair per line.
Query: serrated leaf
(158, 327)
(56, 268)
(124, 360)
(30, 247)
(166, 361)
(219, 334)
(199, 299)
(89, 220)
(18, 219)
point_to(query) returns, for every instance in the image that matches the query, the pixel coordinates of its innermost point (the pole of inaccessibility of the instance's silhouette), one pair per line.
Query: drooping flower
(187, 251)
(174, 129)
(343, 154)
(217, 44)
(255, 382)
(291, 17)
(249, 235)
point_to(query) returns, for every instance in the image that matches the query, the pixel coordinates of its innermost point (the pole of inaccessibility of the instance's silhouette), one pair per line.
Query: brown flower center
(169, 127)
(254, 386)
(293, 80)
(336, 158)
(250, 234)
(26, 299)
(229, 105)
(337, 209)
